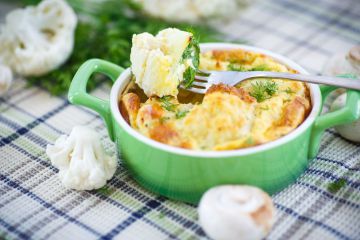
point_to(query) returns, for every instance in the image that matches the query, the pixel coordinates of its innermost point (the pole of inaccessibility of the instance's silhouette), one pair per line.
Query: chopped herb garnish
(240, 68)
(163, 119)
(271, 87)
(262, 67)
(334, 187)
(289, 91)
(191, 52)
(235, 67)
(249, 141)
(167, 104)
(263, 90)
(189, 76)
(181, 114)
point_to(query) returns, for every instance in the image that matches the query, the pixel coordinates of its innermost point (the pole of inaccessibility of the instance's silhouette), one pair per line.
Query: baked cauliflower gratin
(225, 118)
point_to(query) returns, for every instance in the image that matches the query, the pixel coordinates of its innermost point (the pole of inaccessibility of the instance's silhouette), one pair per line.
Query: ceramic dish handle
(77, 93)
(349, 113)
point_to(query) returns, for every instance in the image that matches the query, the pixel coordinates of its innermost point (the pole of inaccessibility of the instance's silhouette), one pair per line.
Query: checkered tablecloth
(34, 205)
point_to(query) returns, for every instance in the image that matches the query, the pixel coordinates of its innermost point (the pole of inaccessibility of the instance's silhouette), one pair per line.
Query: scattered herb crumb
(163, 119)
(289, 91)
(180, 114)
(249, 141)
(240, 68)
(236, 67)
(169, 106)
(334, 187)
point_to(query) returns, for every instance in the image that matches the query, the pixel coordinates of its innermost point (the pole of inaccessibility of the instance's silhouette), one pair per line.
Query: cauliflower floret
(36, 40)
(81, 160)
(6, 77)
(190, 10)
(156, 61)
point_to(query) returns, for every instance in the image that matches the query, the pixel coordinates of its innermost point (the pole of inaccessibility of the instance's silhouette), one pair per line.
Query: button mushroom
(236, 212)
(344, 63)
(81, 160)
(36, 40)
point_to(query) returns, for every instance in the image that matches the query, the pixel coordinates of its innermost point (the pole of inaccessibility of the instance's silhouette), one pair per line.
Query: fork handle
(333, 81)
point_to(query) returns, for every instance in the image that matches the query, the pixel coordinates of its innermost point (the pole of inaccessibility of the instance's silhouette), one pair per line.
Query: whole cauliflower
(36, 40)
(190, 10)
(81, 160)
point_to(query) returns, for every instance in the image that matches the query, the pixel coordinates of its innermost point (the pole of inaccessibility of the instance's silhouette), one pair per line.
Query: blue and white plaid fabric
(34, 205)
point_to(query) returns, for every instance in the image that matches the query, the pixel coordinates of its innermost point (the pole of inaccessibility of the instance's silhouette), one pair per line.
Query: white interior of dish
(315, 94)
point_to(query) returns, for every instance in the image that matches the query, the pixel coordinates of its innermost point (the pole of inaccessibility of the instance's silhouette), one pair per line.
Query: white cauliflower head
(6, 78)
(81, 160)
(190, 10)
(36, 40)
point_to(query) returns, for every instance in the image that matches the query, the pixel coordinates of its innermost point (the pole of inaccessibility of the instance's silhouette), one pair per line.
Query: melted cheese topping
(228, 117)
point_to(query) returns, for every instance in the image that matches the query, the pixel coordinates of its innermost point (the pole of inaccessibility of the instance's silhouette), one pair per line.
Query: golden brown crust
(240, 92)
(129, 107)
(236, 55)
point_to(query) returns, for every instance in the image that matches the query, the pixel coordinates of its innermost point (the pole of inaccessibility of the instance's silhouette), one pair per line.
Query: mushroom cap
(236, 212)
(191, 10)
(36, 40)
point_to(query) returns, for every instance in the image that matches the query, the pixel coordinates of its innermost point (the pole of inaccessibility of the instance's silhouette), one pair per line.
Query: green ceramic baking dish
(186, 174)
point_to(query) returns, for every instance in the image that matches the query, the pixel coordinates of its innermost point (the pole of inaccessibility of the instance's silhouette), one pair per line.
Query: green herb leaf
(189, 77)
(334, 187)
(191, 52)
(271, 87)
(263, 90)
(181, 114)
(262, 67)
(236, 67)
(289, 91)
(169, 106)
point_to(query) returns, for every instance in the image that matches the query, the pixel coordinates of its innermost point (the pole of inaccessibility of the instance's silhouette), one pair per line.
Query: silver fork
(202, 83)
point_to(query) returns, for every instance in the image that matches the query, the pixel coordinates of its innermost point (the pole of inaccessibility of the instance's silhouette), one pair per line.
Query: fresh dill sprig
(192, 52)
(166, 104)
(263, 90)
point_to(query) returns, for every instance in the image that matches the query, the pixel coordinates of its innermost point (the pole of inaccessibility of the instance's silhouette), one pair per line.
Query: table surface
(33, 204)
